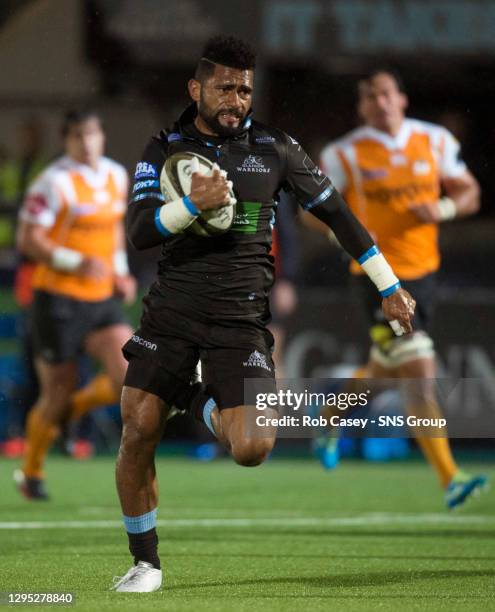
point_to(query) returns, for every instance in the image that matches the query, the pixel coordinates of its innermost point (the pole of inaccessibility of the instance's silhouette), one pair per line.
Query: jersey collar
(95, 178)
(390, 142)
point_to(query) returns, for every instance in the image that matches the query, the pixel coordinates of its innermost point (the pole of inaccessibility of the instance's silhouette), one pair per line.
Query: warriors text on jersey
(80, 208)
(383, 177)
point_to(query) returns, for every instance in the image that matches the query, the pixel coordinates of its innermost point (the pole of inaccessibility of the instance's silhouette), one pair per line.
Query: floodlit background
(132, 61)
(288, 535)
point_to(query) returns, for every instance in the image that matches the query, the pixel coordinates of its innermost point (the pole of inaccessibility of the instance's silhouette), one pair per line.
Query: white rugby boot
(141, 578)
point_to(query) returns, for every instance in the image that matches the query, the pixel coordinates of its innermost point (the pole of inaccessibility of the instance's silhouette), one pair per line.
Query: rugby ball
(175, 183)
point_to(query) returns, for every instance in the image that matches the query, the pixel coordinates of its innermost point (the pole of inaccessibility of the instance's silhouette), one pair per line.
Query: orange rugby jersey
(382, 177)
(81, 209)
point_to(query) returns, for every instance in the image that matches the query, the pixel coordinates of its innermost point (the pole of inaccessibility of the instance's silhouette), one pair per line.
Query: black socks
(144, 547)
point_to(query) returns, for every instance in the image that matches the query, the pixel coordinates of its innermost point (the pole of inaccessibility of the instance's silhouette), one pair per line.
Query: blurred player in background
(210, 300)
(71, 226)
(403, 177)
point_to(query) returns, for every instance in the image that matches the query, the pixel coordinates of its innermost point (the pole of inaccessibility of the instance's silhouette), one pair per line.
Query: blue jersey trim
(159, 225)
(149, 194)
(374, 250)
(390, 290)
(320, 198)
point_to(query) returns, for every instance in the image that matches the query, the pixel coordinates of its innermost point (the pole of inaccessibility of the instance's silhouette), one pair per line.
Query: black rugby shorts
(61, 324)
(171, 342)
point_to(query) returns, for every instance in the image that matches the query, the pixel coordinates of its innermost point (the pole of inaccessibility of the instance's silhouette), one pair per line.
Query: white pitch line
(365, 520)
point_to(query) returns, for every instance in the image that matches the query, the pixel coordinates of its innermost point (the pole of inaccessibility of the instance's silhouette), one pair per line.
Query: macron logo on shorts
(257, 360)
(145, 343)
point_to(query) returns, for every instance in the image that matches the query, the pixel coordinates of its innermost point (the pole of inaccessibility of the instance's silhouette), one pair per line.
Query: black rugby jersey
(228, 275)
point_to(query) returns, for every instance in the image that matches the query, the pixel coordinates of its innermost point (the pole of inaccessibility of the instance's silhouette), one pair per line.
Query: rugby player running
(71, 225)
(210, 301)
(401, 178)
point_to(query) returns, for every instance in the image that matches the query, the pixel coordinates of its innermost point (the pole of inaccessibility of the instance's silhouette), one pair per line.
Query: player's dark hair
(75, 116)
(227, 51)
(392, 72)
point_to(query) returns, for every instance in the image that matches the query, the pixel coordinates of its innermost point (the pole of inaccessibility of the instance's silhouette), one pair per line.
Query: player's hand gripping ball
(175, 183)
(398, 309)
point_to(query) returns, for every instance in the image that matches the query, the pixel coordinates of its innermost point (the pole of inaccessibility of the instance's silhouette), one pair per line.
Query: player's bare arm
(462, 198)
(465, 192)
(34, 242)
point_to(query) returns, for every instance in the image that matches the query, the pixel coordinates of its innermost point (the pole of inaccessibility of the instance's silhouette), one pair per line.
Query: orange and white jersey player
(71, 225)
(403, 177)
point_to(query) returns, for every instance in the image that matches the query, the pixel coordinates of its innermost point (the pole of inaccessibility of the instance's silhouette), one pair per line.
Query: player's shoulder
(53, 173)
(434, 130)
(113, 166)
(261, 134)
(344, 145)
(358, 134)
(157, 147)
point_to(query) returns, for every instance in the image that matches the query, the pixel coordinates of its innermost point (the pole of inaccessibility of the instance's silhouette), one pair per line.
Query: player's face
(225, 99)
(85, 141)
(381, 103)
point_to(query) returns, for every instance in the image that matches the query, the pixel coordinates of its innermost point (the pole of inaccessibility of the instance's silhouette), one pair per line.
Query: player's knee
(139, 435)
(250, 453)
(55, 399)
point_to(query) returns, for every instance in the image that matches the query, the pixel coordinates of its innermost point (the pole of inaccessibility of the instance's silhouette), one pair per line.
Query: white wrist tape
(65, 260)
(120, 263)
(175, 216)
(447, 208)
(378, 269)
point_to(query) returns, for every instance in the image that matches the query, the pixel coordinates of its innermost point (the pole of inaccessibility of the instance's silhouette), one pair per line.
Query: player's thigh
(107, 332)
(105, 345)
(163, 365)
(58, 327)
(419, 376)
(57, 381)
(389, 353)
(226, 371)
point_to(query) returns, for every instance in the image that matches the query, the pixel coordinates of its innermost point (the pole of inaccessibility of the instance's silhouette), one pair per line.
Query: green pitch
(285, 536)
